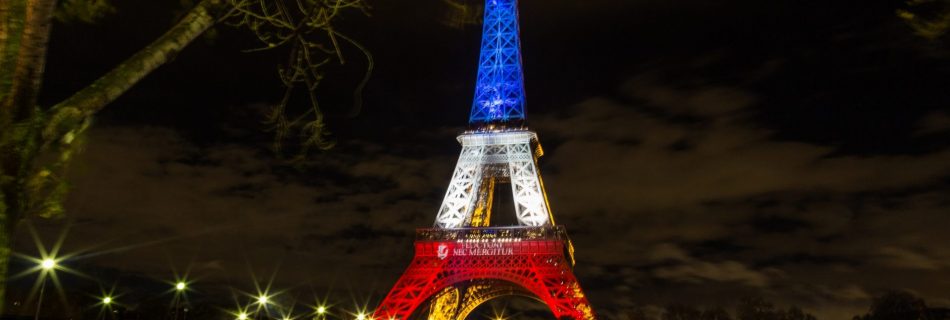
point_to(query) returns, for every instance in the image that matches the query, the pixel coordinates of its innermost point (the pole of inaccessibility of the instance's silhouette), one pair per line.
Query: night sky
(698, 151)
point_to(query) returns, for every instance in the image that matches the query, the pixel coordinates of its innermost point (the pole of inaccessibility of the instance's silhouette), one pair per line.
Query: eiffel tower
(464, 261)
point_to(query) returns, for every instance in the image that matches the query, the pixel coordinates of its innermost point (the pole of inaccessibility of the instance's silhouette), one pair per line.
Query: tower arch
(491, 292)
(458, 300)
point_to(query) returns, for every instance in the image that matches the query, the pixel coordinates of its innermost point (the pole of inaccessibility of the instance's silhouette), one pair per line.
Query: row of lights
(48, 265)
(262, 300)
(107, 300)
(321, 311)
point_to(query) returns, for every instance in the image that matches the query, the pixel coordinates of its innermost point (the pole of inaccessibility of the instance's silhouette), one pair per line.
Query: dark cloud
(936, 122)
(688, 269)
(169, 203)
(706, 195)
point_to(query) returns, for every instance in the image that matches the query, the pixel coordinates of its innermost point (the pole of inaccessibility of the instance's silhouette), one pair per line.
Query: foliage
(796, 313)
(751, 308)
(897, 305)
(304, 28)
(717, 313)
(929, 18)
(460, 14)
(681, 312)
(85, 11)
(755, 308)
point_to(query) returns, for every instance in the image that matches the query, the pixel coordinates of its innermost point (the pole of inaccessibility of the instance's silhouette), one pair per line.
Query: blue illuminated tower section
(499, 92)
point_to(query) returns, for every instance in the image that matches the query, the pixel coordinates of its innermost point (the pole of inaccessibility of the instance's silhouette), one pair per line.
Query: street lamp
(320, 312)
(47, 266)
(106, 301)
(180, 287)
(242, 316)
(262, 301)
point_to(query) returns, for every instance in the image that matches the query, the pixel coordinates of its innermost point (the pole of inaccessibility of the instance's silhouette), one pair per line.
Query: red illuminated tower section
(455, 270)
(464, 261)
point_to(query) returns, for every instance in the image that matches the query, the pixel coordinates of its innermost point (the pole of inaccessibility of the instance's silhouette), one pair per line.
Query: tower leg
(415, 286)
(460, 197)
(530, 205)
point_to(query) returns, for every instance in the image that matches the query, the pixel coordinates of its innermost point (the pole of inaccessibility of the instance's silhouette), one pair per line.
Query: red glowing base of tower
(536, 259)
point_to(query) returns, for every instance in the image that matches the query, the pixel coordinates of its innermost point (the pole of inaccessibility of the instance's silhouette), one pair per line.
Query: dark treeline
(894, 305)
(747, 309)
(900, 305)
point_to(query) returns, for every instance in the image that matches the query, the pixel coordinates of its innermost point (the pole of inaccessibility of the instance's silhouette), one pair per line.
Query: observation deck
(493, 234)
(494, 241)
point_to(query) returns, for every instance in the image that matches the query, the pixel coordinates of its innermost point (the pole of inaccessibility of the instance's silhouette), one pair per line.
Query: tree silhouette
(897, 305)
(681, 312)
(796, 313)
(756, 308)
(37, 142)
(717, 313)
(928, 18)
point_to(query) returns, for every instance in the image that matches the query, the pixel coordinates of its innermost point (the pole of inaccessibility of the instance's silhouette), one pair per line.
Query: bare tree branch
(304, 28)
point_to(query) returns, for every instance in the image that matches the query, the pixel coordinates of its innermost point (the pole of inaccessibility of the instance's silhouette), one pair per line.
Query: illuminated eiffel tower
(464, 261)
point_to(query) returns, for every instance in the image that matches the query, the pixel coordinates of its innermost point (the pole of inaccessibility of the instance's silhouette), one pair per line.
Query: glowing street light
(361, 316)
(106, 301)
(287, 316)
(262, 300)
(321, 310)
(47, 267)
(48, 264)
(180, 287)
(242, 316)
(499, 315)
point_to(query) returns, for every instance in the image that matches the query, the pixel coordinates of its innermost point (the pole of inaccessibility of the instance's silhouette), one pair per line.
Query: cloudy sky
(697, 151)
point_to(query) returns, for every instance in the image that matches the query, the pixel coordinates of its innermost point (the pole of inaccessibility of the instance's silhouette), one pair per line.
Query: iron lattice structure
(488, 157)
(464, 261)
(515, 261)
(499, 90)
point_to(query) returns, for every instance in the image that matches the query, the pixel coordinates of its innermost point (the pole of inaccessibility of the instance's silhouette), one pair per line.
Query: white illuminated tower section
(497, 154)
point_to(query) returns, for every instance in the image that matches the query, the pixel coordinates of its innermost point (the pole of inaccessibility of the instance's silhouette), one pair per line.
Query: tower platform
(535, 261)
